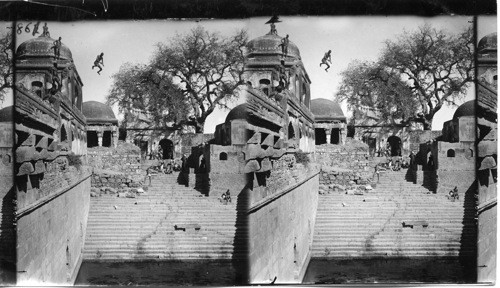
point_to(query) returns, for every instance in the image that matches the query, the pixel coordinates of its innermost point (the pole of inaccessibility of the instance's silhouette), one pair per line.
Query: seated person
(454, 193)
(225, 197)
(177, 167)
(168, 168)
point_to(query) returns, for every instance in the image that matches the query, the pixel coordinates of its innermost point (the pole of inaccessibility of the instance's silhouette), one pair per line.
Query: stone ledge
(275, 196)
(24, 211)
(484, 206)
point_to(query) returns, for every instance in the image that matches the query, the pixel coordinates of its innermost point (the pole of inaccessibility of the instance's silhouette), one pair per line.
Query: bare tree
(6, 65)
(438, 67)
(367, 85)
(186, 79)
(146, 98)
(416, 75)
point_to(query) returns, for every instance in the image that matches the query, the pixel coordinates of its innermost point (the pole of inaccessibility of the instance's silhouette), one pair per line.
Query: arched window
(64, 135)
(37, 87)
(264, 85)
(291, 133)
(223, 156)
(303, 95)
(450, 153)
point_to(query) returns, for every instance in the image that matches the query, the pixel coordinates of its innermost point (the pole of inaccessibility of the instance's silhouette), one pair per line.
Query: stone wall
(226, 165)
(487, 160)
(281, 227)
(338, 176)
(51, 234)
(190, 140)
(112, 179)
(125, 158)
(418, 137)
(7, 204)
(226, 159)
(457, 170)
(487, 244)
(341, 164)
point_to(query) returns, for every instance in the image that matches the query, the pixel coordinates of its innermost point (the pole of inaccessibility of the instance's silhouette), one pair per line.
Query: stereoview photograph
(263, 150)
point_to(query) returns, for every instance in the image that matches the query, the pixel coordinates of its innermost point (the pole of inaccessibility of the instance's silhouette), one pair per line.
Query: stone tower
(52, 185)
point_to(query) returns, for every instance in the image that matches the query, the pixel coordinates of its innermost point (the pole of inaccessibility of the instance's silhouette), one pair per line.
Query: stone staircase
(370, 225)
(143, 227)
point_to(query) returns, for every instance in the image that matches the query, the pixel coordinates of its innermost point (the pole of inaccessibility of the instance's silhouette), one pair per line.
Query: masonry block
(25, 169)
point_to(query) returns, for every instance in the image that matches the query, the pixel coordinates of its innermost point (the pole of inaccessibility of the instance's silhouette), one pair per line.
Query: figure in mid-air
(98, 62)
(326, 59)
(57, 48)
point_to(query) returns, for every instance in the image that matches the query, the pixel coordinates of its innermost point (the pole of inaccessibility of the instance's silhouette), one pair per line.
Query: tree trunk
(198, 128)
(427, 125)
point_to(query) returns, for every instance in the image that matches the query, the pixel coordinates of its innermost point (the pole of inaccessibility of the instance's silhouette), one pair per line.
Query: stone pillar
(343, 135)
(115, 137)
(99, 138)
(328, 133)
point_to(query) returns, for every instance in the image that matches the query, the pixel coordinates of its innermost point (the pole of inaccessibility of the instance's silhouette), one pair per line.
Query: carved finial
(274, 19)
(45, 32)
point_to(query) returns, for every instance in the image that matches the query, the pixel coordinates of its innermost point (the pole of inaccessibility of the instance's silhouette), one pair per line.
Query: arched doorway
(320, 136)
(167, 147)
(396, 145)
(291, 132)
(335, 138)
(106, 139)
(92, 140)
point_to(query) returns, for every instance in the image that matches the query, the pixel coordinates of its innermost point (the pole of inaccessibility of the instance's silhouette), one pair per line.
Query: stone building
(452, 153)
(366, 125)
(52, 186)
(102, 125)
(282, 185)
(487, 141)
(163, 142)
(329, 122)
(7, 197)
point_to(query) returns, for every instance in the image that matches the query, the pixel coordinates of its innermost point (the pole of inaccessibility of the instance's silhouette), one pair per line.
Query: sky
(350, 38)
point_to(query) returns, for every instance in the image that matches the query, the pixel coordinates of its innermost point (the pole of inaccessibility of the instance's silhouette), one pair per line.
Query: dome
(466, 109)
(6, 114)
(325, 108)
(488, 42)
(270, 44)
(238, 112)
(42, 47)
(97, 112)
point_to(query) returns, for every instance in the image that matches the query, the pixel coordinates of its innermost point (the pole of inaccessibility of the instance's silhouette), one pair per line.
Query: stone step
(344, 230)
(115, 233)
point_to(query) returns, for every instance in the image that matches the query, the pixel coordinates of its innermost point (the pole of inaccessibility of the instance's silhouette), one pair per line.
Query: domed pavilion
(487, 151)
(329, 122)
(49, 91)
(102, 125)
(279, 90)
